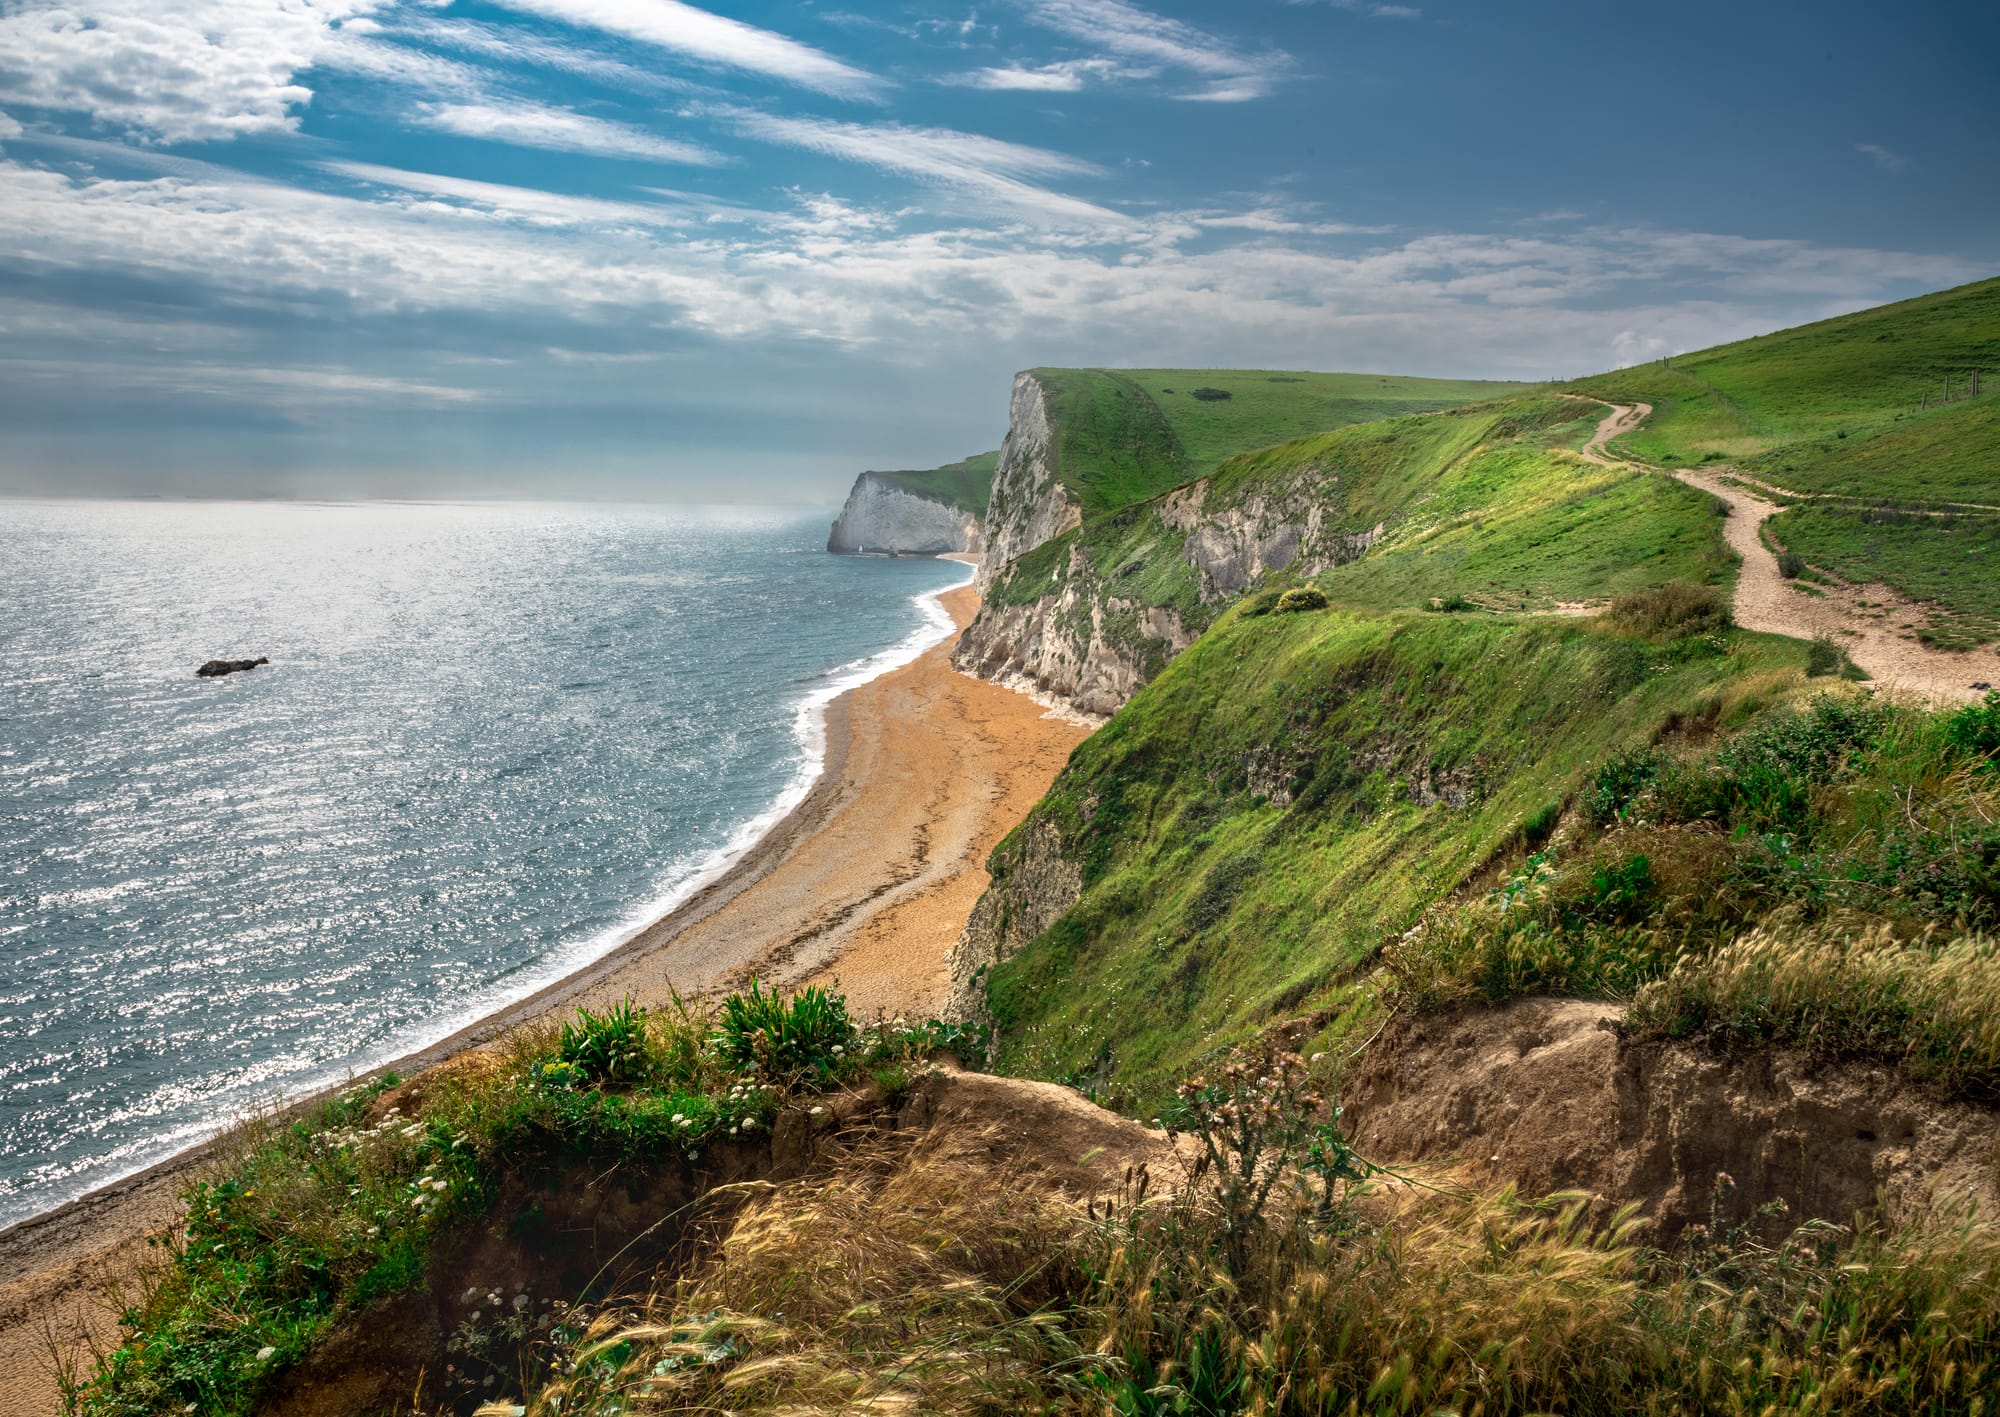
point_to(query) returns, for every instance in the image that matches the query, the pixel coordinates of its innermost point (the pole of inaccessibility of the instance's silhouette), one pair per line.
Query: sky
(740, 251)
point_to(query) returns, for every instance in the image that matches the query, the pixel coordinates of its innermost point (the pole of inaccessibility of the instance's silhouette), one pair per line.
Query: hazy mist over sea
(490, 740)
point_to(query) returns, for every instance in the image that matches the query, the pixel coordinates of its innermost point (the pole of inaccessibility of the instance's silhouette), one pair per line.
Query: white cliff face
(1029, 505)
(886, 519)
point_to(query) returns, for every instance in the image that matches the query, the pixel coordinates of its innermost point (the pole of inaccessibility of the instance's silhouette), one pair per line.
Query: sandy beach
(867, 882)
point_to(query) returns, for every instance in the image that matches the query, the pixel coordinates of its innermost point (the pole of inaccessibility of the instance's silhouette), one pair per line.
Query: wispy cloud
(535, 206)
(710, 39)
(515, 45)
(989, 168)
(534, 125)
(1067, 76)
(1223, 72)
(1371, 8)
(1882, 157)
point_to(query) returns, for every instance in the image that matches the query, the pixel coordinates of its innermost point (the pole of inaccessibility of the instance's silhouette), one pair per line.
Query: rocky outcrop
(884, 518)
(1548, 1095)
(216, 668)
(1030, 505)
(1087, 646)
(1237, 537)
(1034, 882)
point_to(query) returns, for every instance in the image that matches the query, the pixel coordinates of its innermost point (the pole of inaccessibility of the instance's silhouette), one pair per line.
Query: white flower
(678, 1119)
(266, 1353)
(819, 1111)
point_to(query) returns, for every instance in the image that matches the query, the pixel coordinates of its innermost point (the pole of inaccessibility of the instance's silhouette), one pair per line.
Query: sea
(491, 742)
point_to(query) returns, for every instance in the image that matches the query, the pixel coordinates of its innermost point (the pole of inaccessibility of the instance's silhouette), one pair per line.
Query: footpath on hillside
(1874, 624)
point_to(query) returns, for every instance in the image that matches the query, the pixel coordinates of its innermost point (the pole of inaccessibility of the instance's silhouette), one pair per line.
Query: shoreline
(918, 768)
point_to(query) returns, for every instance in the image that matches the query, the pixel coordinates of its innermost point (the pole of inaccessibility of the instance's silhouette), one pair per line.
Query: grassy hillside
(1297, 789)
(1126, 435)
(967, 483)
(1837, 376)
(1266, 406)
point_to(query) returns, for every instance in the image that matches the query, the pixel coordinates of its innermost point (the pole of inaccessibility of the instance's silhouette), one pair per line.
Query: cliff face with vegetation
(1119, 527)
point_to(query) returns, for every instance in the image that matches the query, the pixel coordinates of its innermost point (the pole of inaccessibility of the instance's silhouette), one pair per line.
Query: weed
(1824, 657)
(604, 1048)
(1301, 598)
(805, 1035)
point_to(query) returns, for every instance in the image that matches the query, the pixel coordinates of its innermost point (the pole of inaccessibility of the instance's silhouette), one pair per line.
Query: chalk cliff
(886, 518)
(1030, 505)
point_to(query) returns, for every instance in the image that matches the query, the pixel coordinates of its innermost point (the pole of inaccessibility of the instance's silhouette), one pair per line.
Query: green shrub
(1301, 598)
(1824, 657)
(1974, 731)
(1208, 395)
(1673, 611)
(1452, 604)
(808, 1033)
(1791, 565)
(607, 1047)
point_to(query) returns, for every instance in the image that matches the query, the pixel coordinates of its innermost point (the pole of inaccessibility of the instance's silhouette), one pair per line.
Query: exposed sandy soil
(869, 880)
(1545, 1094)
(1868, 621)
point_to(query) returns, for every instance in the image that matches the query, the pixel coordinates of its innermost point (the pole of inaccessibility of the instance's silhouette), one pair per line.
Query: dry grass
(931, 1281)
(909, 1280)
(1933, 1008)
(1670, 612)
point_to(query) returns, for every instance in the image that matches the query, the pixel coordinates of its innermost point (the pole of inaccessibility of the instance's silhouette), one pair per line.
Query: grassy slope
(1209, 907)
(1850, 373)
(1266, 407)
(967, 483)
(1123, 437)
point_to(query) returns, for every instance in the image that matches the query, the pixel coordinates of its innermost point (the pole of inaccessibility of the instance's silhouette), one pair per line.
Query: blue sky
(645, 248)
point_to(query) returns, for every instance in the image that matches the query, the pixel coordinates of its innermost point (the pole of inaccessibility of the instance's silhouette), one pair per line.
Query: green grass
(1273, 406)
(1952, 561)
(1112, 445)
(1812, 382)
(1296, 788)
(1949, 454)
(967, 483)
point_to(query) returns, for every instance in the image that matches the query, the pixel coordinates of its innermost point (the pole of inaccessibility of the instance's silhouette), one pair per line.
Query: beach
(867, 883)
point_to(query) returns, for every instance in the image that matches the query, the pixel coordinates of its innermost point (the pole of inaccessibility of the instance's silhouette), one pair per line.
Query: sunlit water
(489, 742)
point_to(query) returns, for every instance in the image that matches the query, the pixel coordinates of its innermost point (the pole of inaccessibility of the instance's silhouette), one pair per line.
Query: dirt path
(1623, 418)
(1875, 624)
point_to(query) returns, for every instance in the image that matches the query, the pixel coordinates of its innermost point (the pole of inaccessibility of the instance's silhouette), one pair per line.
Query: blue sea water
(491, 741)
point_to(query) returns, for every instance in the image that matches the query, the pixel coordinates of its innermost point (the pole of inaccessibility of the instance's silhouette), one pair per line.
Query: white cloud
(533, 125)
(1882, 157)
(171, 70)
(517, 46)
(1369, 8)
(1225, 73)
(710, 39)
(9, 128)
(525, 203)
(1468, 302)
(989, 168)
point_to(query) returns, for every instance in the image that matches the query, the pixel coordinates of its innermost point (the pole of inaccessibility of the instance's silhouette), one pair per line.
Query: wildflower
(819, 1111)
(266, 1353)
(521, 1301)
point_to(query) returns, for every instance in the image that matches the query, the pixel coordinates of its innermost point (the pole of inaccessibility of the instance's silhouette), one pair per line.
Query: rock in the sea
(216, 668)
